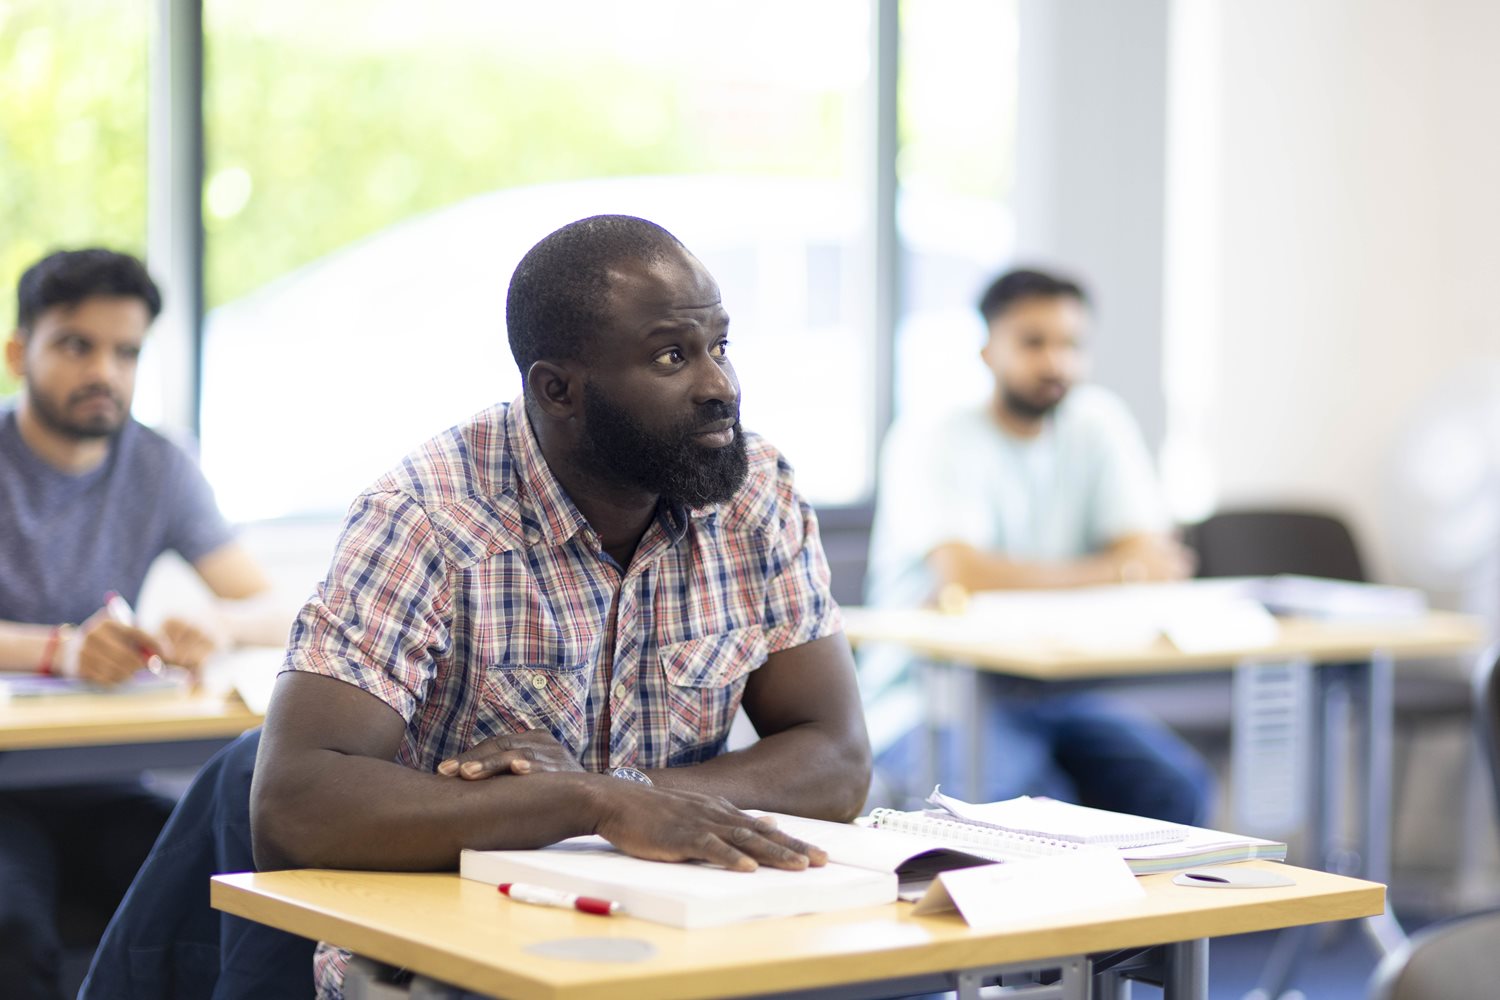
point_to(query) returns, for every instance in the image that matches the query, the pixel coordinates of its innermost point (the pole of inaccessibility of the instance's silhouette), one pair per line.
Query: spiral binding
(940, 828)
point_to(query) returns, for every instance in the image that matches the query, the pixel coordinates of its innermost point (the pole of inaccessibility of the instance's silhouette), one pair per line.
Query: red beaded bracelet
(49, 651)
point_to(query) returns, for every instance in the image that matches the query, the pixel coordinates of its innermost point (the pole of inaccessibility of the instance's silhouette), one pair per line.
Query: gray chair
(1458, 959)
(1313, 543)
(1266, 542)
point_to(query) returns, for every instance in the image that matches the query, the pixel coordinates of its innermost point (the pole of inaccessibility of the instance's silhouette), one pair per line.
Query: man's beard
(54, 415)
(1026, 408)
(616, 447)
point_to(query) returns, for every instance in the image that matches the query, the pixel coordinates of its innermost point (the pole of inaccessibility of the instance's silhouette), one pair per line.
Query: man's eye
(669, 358)
(721, 349)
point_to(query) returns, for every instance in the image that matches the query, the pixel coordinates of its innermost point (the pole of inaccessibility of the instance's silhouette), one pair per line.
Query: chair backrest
(1266, 542)
(1454, 960)
(1487, 715)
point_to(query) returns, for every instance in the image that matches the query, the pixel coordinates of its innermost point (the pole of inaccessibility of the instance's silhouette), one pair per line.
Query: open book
(865, 867)
(1026, 827)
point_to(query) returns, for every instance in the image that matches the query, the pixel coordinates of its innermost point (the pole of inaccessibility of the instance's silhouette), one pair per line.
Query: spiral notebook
(1053, 820)
(1027, 827)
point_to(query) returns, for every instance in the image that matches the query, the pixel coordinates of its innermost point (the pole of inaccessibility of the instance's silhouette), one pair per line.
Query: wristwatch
(632, 774)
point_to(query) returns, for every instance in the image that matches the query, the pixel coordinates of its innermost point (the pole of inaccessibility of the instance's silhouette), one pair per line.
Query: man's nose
(1058, 361)
(718, 382)
(103, 367)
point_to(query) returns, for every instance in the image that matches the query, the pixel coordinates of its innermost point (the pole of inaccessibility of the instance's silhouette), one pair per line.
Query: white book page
(863, 847)
(1050, 818)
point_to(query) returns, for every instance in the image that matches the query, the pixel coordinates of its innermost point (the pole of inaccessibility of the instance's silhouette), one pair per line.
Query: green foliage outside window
(321, 134)
(73, 97)
(319, 137)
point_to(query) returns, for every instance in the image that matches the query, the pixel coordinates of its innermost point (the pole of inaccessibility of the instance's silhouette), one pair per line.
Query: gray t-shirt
(66, 540)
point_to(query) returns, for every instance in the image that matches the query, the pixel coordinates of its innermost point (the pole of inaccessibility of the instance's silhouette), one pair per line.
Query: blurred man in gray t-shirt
(88, 500)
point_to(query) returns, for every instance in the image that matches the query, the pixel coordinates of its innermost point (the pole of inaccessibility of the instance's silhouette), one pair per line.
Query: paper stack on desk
(1339, 600)
(1198, 616)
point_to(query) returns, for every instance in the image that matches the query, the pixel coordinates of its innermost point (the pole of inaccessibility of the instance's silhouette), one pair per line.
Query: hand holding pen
(109, 647)
(120, 612)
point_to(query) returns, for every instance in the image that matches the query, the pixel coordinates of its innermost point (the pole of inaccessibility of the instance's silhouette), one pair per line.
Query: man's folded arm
(328, 793)
(1134, 558)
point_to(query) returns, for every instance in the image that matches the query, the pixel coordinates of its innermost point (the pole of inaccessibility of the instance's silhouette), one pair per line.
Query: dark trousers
(1079, 747)
(73, 848)
(166, 941)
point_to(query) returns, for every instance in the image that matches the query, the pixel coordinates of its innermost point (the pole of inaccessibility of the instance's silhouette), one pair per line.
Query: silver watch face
(631, 774)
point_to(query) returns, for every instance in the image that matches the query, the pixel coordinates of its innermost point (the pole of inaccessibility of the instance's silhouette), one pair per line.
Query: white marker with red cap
(542, 896)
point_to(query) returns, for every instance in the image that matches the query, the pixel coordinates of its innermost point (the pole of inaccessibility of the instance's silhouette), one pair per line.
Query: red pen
(119, 610)
(542, 896)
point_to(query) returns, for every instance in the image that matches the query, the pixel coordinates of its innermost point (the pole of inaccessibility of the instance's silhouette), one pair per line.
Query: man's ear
(556, 389)
(990, 352)
(15, 354)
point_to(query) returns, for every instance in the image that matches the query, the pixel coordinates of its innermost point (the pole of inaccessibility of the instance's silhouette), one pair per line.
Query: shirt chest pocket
(705, 679)
(541, 681)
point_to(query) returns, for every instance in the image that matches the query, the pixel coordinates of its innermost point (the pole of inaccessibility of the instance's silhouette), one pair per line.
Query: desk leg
(935, 678)
(1186, 971)
(1376, 696)
(975, 716)
(1109, 986)
(1317, 728)
(1327, 820)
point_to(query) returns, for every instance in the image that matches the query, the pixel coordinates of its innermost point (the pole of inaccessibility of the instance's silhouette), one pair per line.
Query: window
(957, 102)
(373, 176)
(374, 170)
(72, 133)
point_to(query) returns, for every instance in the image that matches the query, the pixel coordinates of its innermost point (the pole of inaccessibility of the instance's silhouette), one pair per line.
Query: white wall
(1090, 148)
(1357, 237)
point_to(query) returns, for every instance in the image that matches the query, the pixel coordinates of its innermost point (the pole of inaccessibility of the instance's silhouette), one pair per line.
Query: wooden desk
(74, 738)
(462, 933)
(947, 637)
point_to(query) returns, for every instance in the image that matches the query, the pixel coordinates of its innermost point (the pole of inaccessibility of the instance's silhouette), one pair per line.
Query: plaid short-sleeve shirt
(469, 594)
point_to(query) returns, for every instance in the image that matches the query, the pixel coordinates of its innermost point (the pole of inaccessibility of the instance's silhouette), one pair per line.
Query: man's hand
(663, 824)
(104, 651)
(516, 753)
(1151, 558)
(185, 644)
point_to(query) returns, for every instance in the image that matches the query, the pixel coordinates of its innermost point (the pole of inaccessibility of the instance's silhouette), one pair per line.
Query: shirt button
(620, 692)
(538, 681)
